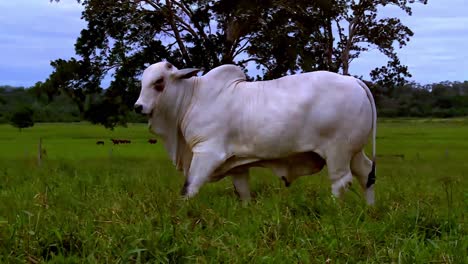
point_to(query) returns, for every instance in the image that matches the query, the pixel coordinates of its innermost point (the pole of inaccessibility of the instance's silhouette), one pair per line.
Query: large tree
(277, 36)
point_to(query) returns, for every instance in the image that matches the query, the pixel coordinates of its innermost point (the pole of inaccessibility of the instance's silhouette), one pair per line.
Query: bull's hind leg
(339, 171)
(362, 168)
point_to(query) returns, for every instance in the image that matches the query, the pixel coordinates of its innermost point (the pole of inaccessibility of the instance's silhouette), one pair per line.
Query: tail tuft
(286, 182)
(371, 177)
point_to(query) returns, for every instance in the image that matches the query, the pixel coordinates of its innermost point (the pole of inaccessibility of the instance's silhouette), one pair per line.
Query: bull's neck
(183, 99)
(167, 122)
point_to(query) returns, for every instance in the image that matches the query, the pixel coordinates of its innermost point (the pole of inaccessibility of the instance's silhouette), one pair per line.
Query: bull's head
(157, 80)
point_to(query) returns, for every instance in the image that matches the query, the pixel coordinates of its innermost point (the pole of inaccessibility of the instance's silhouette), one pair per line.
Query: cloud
(437, 51)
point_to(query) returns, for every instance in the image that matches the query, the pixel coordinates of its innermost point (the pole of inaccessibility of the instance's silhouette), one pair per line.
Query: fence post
(39, 152)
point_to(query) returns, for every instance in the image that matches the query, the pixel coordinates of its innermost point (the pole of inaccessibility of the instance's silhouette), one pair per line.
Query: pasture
(90, 203)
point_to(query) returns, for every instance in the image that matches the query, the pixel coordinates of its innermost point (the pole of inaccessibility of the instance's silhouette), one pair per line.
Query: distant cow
(100, 143)
(152, 141)
(120, 141)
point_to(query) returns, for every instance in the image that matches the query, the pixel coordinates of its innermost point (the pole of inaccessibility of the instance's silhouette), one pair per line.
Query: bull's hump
(228, 72)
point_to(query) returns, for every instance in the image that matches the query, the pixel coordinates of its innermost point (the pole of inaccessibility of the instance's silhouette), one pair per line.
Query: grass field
(120, 204)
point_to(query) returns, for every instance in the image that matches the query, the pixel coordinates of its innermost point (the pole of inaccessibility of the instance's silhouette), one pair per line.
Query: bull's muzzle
(138, 108)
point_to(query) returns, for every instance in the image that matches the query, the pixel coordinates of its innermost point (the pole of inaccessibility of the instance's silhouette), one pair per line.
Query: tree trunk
(345, 59)
(349, 44)
(39, 153)
(329, 47)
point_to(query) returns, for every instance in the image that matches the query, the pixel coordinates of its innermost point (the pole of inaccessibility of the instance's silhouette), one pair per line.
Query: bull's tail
(371, 177)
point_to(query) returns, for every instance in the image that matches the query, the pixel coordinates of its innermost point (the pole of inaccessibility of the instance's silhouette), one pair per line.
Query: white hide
(221, 124)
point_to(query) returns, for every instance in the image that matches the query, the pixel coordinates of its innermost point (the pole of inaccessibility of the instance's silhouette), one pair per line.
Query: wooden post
(39, 153)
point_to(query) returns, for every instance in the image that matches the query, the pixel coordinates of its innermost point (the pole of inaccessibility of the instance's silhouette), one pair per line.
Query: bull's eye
(159, 84)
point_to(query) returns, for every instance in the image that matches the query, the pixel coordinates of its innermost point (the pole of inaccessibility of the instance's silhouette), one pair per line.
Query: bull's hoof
(236, 192)
(286, 182)
(183, 192)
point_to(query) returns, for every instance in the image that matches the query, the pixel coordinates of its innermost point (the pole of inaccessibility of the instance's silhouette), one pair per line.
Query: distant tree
(22, 118)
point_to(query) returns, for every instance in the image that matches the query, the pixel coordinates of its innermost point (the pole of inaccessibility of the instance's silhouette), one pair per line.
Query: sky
(35, 32)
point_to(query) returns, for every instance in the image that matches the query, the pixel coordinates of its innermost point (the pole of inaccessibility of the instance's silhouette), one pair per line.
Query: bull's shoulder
(227, 72)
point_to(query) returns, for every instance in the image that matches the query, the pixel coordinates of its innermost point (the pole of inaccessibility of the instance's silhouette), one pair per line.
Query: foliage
(115, 204)
(22, 118)
(277, 37)
(445, 99)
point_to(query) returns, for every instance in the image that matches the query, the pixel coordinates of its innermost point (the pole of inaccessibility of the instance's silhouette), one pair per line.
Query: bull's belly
(290, 167)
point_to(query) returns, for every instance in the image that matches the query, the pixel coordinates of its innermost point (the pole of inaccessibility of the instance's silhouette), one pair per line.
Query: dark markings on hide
(286, 183)
(371, 177)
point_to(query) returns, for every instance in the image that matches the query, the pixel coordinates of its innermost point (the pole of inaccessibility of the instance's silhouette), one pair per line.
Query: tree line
(22, 107)
(444, 99)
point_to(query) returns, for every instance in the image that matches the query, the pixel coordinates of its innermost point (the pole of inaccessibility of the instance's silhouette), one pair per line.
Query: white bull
(220, 124)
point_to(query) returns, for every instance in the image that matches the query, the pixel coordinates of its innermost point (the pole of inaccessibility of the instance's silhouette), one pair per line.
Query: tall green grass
(88, 203)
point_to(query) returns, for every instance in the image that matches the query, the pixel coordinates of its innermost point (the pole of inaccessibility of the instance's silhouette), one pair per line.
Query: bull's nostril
(138, 108)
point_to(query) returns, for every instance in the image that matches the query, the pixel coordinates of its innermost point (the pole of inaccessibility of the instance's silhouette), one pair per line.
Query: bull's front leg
(202, 166)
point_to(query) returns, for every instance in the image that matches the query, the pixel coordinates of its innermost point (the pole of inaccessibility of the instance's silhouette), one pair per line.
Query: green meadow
(89, 203)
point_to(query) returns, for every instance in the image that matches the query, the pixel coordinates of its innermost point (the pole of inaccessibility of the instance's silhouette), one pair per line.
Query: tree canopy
(277, 37)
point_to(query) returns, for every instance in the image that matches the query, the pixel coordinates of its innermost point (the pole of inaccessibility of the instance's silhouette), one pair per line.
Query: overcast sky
(35, 32)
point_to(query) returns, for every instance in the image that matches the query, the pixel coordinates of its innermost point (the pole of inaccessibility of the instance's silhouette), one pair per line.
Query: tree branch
(206, 40)
(151, 3)
(250, 59)
(240, 50)
(186, 26)
(177, 33)
(186, 9)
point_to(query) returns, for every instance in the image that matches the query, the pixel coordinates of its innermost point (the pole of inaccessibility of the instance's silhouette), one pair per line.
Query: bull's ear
(186, 73)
